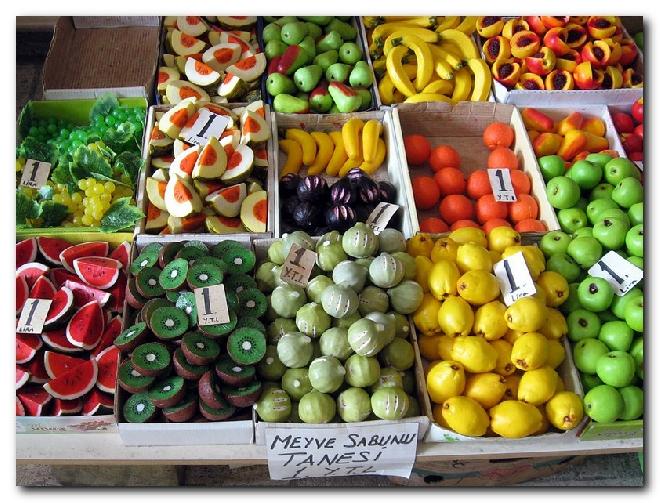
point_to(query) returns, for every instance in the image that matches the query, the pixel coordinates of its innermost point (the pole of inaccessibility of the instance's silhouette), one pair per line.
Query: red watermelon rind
(74, 383)
(82, 293)
(65, 407)
(97, 400)
(60, 309)
(26, 251)
(20, 410)
(118, 294)
(43, 288)
(98, 272)
(107, 363)
(22, 377)
(27, 346)
(51, 248)
(56, 339)
(88, 249)
(122, 254)
(31, 271)
(22, 294)
(34, 400)
(112, 330)
(86, 326)
(37, 370)
(57, 364)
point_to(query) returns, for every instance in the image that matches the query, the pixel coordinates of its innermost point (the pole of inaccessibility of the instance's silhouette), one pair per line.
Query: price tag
(617, 271)
(298, 266)
(211, 305)
(500, 182)
(33, 316)
(35, 174)
(385, 449)
(514, 278)
(380, 217)
(205, 126)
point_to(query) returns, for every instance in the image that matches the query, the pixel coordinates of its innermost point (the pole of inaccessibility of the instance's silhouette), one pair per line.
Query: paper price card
(33, 316)
(298, 266)
(211, 305)
(514, 278)
(35, 174)
(205, 126)
(617, 271)
(384, 449)
(380, 216)
(500, 182)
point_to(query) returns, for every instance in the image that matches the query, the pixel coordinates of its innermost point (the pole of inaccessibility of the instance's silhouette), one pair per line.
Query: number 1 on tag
(500, 182)
(514, 278)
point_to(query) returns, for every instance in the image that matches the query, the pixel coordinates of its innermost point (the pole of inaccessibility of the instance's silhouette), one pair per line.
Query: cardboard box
(227, 432)
(261, 250)
(142, 199)
(578, 97)
(390, 171)
(115, 21)
(72, 424)
(77, 112)
(86, 63)
(462, 126)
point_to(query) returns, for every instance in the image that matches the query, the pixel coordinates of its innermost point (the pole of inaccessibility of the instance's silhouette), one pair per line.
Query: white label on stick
(35, 174)
(211, 305)
(500, 182)
(33, 316)
(514, 278)
(384, 449)
(298, 266)
(380, 216)
(621, 274)
(205, 126)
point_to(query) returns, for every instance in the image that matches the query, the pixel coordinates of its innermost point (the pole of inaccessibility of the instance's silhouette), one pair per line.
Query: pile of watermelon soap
(69, 367)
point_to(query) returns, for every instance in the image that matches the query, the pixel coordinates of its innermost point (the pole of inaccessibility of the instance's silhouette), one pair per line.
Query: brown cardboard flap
(101, 58)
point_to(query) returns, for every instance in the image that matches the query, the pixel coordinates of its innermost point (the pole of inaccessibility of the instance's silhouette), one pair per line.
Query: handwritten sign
(298, 266)
(205, 126)
(500, 182)
(514, 278)
(380, 216)
(35, 174)
(211, 305)
(621, 274)
(384, 449)
(33, 316)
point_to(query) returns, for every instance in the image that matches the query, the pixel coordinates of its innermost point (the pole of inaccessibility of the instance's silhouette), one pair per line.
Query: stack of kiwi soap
(174, 368)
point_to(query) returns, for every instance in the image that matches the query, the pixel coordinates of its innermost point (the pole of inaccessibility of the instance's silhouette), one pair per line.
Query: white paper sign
(35, 174)
(205, 126)
(211, 305)
(380, 216)
(298, 266)
(514, 278)
(617, 271)
(500, 182)
(384, 449)
(33, 316)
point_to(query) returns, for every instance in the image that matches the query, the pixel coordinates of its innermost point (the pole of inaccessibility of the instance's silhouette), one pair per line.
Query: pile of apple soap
(316, 63)
(338, 349)
(492, 363)
(600, 252)
(218, 186)
(213, 58)
(67, 365)
(175, 365)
